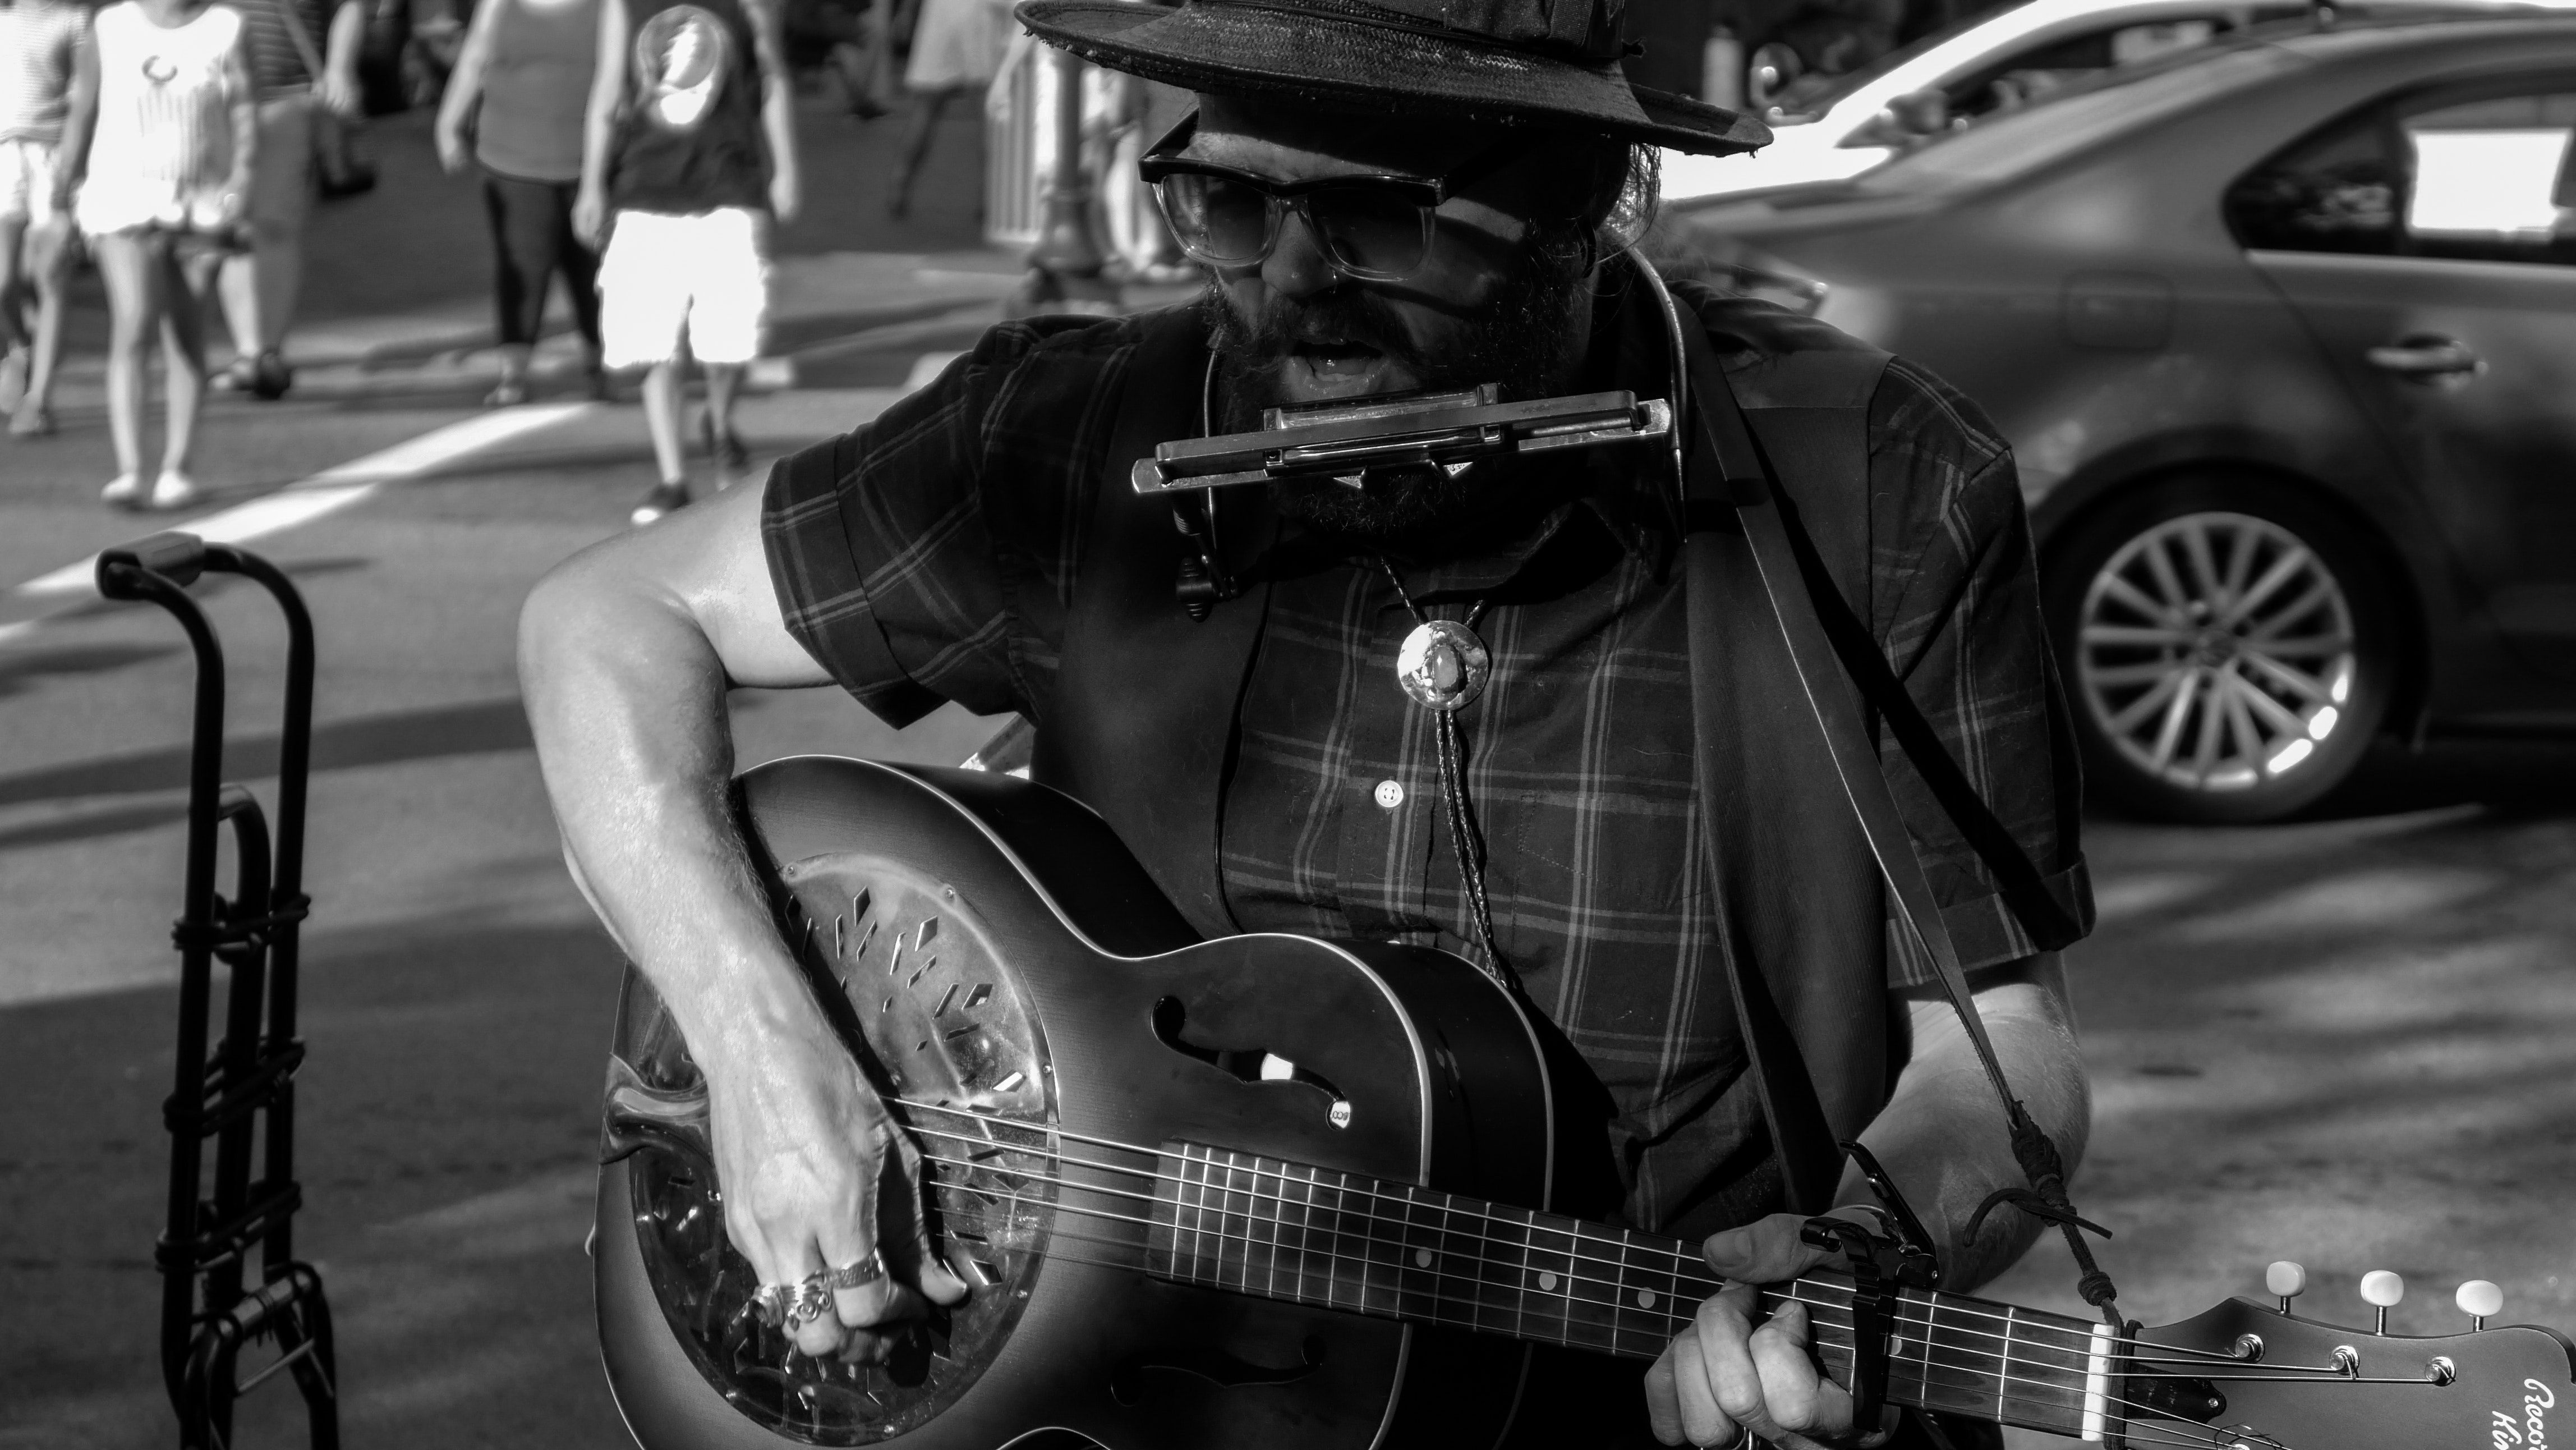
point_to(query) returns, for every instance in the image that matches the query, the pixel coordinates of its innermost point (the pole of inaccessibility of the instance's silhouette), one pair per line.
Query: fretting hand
(1736, 1373)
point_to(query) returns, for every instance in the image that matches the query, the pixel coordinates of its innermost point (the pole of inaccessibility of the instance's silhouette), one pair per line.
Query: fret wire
(1674, 1322)
(1678, 1252)
(1245, 1173)
(2142, 1433)
(1910, 1298)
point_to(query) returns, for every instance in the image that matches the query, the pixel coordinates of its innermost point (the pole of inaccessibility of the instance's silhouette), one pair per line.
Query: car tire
(2229, 646)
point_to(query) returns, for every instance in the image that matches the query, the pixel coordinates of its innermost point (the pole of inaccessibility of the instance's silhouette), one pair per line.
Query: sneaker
(235, 376)
(125, 491)
(509, 394)
(270, 377)
(731, 455)
(664, 499)
(31, 421)
(173, 490)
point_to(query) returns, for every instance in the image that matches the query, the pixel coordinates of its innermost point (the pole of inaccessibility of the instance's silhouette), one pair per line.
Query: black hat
(1551, 63)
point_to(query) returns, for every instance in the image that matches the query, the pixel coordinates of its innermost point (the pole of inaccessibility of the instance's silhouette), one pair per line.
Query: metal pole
(1065, 265)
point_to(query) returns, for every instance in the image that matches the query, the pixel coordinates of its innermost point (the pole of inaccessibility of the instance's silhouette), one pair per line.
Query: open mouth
(1327, 369)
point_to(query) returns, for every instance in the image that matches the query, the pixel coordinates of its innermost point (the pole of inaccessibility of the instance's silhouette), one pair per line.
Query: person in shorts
(688, 158)
(162, 141)
(40, 46)
(303, 56)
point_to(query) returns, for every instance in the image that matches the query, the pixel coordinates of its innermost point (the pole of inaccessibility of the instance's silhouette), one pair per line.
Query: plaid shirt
(941, 562)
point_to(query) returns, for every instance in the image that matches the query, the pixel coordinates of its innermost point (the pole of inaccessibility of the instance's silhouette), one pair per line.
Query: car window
(2480, 176)
(2024, 77)
(2112, 103)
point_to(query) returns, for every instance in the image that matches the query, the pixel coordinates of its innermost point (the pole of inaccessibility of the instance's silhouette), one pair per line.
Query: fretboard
(1309, 1235)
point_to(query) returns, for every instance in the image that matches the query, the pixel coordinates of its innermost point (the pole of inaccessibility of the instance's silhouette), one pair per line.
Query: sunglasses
(1374, 228)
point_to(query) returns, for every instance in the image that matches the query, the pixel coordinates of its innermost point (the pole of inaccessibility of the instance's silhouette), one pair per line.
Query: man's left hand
(1737, 1373)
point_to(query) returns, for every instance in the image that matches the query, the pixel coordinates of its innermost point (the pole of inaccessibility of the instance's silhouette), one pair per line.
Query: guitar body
(990, 944)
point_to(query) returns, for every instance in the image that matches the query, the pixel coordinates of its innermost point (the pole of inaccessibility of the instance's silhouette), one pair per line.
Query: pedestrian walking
(40, 47)
(688, 160)
(514, 106)
(957, 46)
(303, 59)
(162, 141)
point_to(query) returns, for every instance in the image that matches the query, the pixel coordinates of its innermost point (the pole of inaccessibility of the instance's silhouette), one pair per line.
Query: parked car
(2283, 335)
(1831, 127)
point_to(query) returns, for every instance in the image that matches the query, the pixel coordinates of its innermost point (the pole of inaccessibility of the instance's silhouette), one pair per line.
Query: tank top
(688, 136)
(164, 123)
(535, 88)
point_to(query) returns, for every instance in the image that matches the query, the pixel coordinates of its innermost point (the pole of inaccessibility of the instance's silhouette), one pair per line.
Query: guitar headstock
(2303, 1384)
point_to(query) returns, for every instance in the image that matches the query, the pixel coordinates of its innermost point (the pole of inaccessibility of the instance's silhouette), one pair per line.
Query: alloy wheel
(2215, 651)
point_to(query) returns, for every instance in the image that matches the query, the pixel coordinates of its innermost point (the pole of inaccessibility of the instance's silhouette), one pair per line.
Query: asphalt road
(2349, 1041)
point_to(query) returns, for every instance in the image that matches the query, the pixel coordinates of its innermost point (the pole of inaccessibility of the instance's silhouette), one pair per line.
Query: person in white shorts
(160, 141)
(40, 46)
(688, 157)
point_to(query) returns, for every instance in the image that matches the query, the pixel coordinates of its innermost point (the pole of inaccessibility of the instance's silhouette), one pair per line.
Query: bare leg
(183, 349)
(129, 264)
(13, 235)
(920, 127)
(662, 419)
(49, 256)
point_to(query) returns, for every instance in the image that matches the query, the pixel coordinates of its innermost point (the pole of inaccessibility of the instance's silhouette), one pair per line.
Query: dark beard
(1522, 343)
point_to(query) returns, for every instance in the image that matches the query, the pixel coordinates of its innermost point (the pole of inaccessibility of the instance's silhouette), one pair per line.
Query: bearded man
(1390, 195)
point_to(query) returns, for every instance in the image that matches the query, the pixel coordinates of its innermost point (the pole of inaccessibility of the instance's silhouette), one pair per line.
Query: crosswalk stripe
(327, 492)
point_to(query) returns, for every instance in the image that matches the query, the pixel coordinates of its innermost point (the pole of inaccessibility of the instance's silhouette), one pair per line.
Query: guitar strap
(1727, 479)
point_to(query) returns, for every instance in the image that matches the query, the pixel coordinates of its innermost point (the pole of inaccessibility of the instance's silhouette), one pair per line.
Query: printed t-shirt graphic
(682, 57)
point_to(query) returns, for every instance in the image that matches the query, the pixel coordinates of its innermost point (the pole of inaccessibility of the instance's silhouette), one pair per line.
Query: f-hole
(1245, 1064)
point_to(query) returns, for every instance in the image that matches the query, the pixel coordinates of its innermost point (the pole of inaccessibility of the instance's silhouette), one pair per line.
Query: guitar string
(1673, 1323)
(1949, 1304)
(1930, 1325)
(1903, 1373)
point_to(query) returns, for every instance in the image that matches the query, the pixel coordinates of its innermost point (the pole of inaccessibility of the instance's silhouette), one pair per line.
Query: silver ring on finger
(770, 1302)
(812, 1302)
(857, 1274)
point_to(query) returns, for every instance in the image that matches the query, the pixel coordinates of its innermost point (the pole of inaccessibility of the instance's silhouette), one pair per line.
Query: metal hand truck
(208, 1311)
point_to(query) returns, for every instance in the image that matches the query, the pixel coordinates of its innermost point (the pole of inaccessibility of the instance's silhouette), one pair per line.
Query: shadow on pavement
(473, 728)
(447, 1127)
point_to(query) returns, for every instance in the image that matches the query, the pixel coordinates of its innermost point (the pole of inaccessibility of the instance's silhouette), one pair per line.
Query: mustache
(1351, 317)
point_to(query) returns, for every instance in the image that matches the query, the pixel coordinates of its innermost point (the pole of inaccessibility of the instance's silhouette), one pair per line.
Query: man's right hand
(816, 1174)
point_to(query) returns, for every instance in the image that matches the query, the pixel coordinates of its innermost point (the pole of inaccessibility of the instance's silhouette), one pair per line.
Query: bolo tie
(1443, 666)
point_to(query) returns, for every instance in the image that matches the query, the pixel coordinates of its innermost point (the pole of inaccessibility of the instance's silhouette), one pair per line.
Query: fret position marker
(1547, 1281)
(1422, 1258)
(1645, 1298)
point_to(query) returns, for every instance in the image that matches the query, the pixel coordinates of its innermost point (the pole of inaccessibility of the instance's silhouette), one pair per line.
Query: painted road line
(327, 492)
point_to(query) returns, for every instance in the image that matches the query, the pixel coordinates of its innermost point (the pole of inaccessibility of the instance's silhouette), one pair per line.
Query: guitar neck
(1289, 1231)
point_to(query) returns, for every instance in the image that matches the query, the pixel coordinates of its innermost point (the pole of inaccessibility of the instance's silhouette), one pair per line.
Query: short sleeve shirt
(939, 560)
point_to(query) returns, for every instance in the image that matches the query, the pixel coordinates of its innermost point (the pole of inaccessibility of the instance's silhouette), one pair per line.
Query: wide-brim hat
(1551, 63)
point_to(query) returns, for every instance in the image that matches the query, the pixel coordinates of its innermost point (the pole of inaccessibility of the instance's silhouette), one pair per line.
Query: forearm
(340, 49)
(627, 700)
(1942, 1136)
(465, 82)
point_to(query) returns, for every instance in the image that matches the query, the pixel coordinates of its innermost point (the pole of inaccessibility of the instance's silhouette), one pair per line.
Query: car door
(2428, 244)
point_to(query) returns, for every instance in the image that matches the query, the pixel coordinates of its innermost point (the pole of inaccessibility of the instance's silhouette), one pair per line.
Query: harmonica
(1451, 430)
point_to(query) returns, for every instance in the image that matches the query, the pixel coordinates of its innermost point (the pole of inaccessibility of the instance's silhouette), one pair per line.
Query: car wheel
(2230, 648)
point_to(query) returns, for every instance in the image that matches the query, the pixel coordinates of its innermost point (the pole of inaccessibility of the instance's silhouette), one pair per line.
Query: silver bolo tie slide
(1452, 430)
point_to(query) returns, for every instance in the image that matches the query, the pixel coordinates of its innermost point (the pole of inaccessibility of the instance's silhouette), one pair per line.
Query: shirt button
(1389, 794)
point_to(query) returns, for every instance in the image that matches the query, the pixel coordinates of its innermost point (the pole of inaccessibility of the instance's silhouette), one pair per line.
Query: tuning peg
(2287, 1280)
(2383, 1289)
(2479, 1299)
